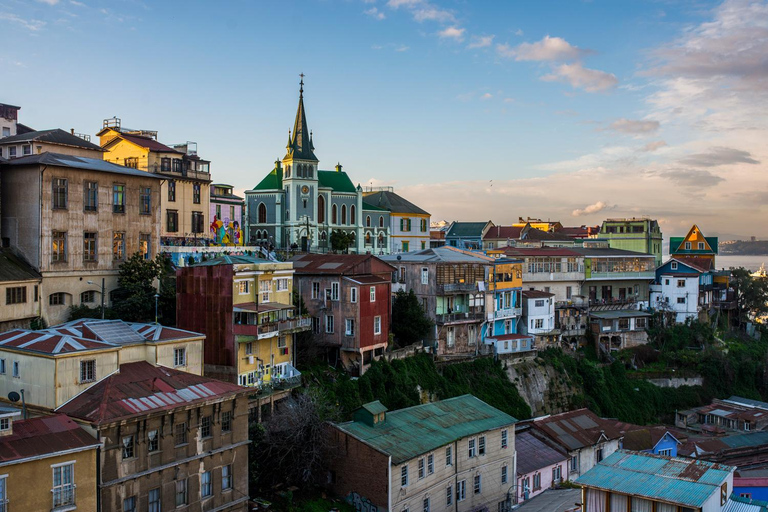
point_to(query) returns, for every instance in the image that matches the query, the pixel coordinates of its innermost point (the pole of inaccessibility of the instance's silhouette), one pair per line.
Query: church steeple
(300, 142)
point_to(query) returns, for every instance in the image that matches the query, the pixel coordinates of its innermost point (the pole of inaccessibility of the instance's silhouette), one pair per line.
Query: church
(297, 205)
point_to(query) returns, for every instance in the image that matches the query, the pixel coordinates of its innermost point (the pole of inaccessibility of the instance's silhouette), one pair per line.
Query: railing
(63, 497)
(646, 274)
(459, 317)
(508, 313)
(268, 329)
(295, 323)
(246, 329)
(457, 288)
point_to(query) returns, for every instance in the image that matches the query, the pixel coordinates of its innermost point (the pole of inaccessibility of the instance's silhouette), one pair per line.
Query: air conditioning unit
(250, 359)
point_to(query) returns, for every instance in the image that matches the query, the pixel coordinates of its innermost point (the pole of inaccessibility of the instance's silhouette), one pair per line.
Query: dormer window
(5, 424)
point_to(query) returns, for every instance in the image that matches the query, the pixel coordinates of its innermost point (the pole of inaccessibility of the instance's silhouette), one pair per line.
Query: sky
(567, 110)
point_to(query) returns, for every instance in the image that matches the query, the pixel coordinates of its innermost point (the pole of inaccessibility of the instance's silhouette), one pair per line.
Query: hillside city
(316, 344)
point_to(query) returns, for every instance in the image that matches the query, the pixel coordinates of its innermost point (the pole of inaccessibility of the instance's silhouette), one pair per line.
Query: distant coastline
(744, 248)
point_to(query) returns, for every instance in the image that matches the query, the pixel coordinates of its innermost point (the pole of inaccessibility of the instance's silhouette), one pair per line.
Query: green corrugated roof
(375, 407)
(407, 433)
(338, 181)
(272, 181)
(368, 206)
(466, 229)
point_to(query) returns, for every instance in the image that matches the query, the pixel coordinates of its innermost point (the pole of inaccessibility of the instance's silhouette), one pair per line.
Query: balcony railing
(459, 317)
(645, 274)
(507, 313)
(246, 329)
(63, 497)
(302, 324)
(457, 288)
(267, 330)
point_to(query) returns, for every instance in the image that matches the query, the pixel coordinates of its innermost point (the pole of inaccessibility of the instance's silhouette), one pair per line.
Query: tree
(410, 323)
(751, 294)
(341, 240)
(135, 298)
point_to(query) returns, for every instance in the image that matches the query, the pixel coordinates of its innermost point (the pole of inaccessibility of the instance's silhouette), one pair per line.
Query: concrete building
(53, 365)
(408, 224)
(643, 482)
(77, 220)
(723, 416)
(185, 192)
(615, 277)
(457, 454)
(541, 464)
(502, 329)
(46, 463)
(228, 209)
(633, 234)
(348, 297)
(244, 305)
(538, 318)
(170, 439)
(9, 120)
(19, 291)
(619, 329)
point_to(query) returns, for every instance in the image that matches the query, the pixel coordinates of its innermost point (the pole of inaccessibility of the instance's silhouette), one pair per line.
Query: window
(316, 325)
(334, 291)
(574, 464)
(180, 434)
(504, 438)
(242, 287)
(481, 446)
(177, 165)
(226, 421)
(425, 503)
(334, 211)
(557, 473)
(343, 214)
(687, 246)
(329, 324)
(623, 323)
(197, 222)
(196, 193)
(153, 441)
(449, 455)
(145, 201)
(673, 265)
(504, 474)
(57, 299)
(118, 198)
(478, 484)
(461, 490)
(377, 325)
(723, 493)
(16, 369)
(539, 323)
(424, 275)
(405, 224)
(59, 194)
(58, 246)
(368, 221)
(205, 426)
(430, 464)
(172, 221)
(349, 327)
(423, 225)
(404, 476)
(88, 297)
(171, 190)
(681, 283)
(599, 454)
(282, 284)
(118, 246)
(667, 452)
(449, 496)
(63, 485)
(353, 294)
(90, 250)
(206, 486)
(180, 356)
(226, 477)
(132, 162)
(129, 504)
(88, 371)
(90, 196)
(373, 294)
(405, 246)
(315, 290)
(181, 492)
(16, 295)
(12, 152)
(450, 339)
(2, 366)
(265, 289)
(249, 348)
(681, 300)
(5, 424)
(539, 303)
(471, 448)
(422, 468)
(128, 447)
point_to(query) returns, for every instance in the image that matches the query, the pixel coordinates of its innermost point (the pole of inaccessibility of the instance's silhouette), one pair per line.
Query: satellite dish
(13, 396)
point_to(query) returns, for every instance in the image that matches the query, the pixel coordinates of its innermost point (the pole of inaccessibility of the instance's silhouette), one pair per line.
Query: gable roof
(576, 429)
(466, 229)
(534, 453)
(522, 252)
(79, 162)
(144, 142)
(14, 268)
(393, 202)
(140, 388)
(54, 136)
(445, 253)
(339, 264)
(336, 180)
(407, 433)
(46, 436)
(273, 180)
(503, 232)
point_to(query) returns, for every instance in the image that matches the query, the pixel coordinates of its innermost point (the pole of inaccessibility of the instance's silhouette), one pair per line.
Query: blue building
(655, 440)
(751, 483)
(467, 235)
(505, 284)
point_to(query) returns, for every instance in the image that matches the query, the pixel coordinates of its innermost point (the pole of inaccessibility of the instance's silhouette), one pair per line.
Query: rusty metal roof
(534, 454)
(576, 429)
(44, 436)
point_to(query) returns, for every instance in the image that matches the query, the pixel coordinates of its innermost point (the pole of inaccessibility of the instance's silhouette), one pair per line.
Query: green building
(635, 234)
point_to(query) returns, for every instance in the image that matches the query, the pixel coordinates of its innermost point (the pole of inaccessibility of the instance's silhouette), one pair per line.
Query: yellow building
(46, 463)
(19, 291)
(694, 245)
(53, 365)
(185, 192)
(409, 224)
(544, 225)
(244, 305)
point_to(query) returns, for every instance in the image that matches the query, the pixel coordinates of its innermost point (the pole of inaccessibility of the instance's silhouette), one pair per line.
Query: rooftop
(407, 433)
(502, 232)
(14, 268)
(78, 162)
(470, 229)
(604, 252)
(675, 480)
(393, 202)
(445, 253)
(534, 454)
(622, 313)
(537, 294)
(339, 264)
(54, 136)
(46, 436)
(576, 429)
(229, 259)
(144, 142)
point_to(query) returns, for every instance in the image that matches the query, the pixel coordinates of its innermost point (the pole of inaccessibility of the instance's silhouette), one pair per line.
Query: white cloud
(422, 10)
(634, 127)
(591, 80)
(452, 33)
(49, 2)
(373, 12)
(402, 48)
(592, 208)
(76, 3)
(480, 42)
(486, 96)
(548, 49)
(400, 3)
(653, 146)
(30, 24)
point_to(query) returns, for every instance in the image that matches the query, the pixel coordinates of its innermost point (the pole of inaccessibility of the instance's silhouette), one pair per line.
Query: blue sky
(576, 110)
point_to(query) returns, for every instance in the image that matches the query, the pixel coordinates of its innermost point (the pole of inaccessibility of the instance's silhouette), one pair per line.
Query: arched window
(333, 214)
(303, 171)
(381, 239)
(343, 214)
(368, 221)
(323, 236)
(381, 221)
(287, 171)
(320, 209)
(309, 171)
(287, 214)
(368, 238)
(262, 213)
(352, 219)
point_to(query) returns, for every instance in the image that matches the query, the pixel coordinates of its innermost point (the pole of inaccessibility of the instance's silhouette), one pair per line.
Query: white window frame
(377, 325)
(481, 446)
(226, 477)
(504, 475)
(430, 464)
(242, 287)
(206, 486)
(448, 456)
(373, 294)
(471, 448)
(349, 327)
(478, 484)
(404, 476)
(335, 291)
(329, 324)
(315, 290)
(422, 468)
(424, 275)
(461, 490)
(84, 370)
(63, 486)
(16, 370)
(353, 295)
(504, 438)
(673, 265)
(449, 495)
(179, 357)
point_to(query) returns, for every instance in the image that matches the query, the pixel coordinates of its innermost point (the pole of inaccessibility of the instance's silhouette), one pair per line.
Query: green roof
(408, 433)
(337, 180)
(272, 181)
(677, 241)
(368, 206)
(466, 229)
(375, 407)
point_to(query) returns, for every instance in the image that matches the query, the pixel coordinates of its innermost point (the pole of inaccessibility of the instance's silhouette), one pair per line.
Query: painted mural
(226, 235)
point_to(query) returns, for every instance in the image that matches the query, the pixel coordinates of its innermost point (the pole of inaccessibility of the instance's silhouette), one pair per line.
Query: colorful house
(538, 318)
(409, 224)
(467, 235)
(684, 287)
(634, 234)
(226, 216)
(541, 464)
(502, 329)
(694, 244)
(751, 483)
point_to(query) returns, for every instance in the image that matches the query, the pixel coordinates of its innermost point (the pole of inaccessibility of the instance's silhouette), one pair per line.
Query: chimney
(72, 131)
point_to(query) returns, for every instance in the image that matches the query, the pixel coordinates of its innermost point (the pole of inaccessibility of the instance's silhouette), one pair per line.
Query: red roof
(150, 144)
(576, 429)
(44, 436)
(700, 264)
(503, 232)
(340, 264)
(49, 342)
(537, 294)
(140, 388)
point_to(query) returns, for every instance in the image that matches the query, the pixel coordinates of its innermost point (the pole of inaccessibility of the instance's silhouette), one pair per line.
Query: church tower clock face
(305, 189)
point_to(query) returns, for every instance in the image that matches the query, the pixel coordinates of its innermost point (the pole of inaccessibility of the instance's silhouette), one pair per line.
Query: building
(348, 297)
(615, 277)
(751, 484)
(51, 141)
(540, 464)
(657, 440)
(619, 329)
(451, 286)
(538, 318)
(502, 329)
(634, 234)
(497, 237)
(227, 209)
(186, 178)
(244, 305)
(9, 116)
(684, 287)
(297, 205)
(735, 414)
(169, 439)
(77, 220)
(467, 235)
(46, 463)
(457, 454)
(409, 225)
(744, 451)
(53, 365)
(629, 480)
(586, 438)
(19, 291)
(694, 244)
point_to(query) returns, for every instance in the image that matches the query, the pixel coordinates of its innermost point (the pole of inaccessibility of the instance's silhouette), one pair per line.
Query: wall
(21, 220)
(358, 468)
(36, 376)
(19, 315)
(67, 373)
(415, 237)
(546, 480)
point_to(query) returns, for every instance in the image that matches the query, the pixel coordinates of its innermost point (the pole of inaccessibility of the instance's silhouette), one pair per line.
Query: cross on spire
(301, 88)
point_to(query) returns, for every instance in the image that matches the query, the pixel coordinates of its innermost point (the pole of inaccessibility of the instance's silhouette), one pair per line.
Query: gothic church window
(343, 214)
(368, 221)
(352, 219)
(333, 214)
(320, 209)
(262, 213)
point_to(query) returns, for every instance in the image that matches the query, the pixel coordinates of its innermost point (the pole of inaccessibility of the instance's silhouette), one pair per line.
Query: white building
(539, 316)
(677, 293)
(409, 224)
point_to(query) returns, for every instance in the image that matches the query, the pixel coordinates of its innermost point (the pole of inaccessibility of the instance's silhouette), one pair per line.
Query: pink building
(540, 464)
(227, 208)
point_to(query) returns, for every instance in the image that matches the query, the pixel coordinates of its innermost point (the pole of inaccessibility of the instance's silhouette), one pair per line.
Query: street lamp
(102, 295)
(157, 296)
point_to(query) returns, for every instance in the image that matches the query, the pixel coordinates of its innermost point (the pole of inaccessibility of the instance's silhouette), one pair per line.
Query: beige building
(53, 365)
(76, 220)
(185, 193)
(457, 454)
(19, 291)
(51, 141)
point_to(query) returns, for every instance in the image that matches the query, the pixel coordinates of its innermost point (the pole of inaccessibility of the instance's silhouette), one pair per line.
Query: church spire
(300, 145)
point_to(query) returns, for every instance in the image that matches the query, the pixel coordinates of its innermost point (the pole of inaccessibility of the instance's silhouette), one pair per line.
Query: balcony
(63, 498)
(446, 289)
(268, 330)
(457, 318)
(295, 325)
(646, 274)
(507, 313)
(245, 330)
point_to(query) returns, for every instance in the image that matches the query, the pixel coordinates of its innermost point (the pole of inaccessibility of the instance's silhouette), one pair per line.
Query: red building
(348, 298)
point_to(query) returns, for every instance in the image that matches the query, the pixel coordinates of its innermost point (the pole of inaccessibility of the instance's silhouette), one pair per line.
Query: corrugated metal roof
(674, 480)
(14, 268)
(576, 429)
(534, 454)
(79, 162)
(407, 433)
(739, 504)
(44, 436)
